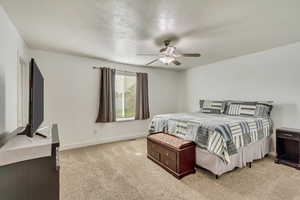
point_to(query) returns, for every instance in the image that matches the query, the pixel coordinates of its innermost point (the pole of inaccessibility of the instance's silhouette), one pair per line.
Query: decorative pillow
(256, 108)
(215, 107)
(246, 108)
(263, 109)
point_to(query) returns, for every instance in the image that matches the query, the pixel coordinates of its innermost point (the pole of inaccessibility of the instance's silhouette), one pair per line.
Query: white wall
(268, 75)
(12, 47)
(71, 98)
(71, 88)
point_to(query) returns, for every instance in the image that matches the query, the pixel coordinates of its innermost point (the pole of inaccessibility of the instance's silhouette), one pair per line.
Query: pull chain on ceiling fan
(169, 55)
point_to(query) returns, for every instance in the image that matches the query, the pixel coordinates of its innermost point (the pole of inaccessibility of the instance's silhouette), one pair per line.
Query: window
(125, 96)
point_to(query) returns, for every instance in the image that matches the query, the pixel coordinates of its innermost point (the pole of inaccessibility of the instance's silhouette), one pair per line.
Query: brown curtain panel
(142, 99)
(107, 110)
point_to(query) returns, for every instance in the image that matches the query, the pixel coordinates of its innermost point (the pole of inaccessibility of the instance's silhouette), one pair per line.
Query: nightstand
(288, 147)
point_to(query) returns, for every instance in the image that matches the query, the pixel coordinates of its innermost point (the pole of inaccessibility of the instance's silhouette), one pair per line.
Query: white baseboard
(100, 141)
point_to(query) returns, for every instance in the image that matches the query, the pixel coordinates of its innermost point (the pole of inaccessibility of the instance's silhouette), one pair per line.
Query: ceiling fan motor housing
(167, 42)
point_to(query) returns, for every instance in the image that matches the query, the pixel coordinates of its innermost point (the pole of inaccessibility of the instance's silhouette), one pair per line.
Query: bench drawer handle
(288, 135)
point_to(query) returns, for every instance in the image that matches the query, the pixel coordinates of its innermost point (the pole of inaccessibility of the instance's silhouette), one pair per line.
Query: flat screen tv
(36, 101)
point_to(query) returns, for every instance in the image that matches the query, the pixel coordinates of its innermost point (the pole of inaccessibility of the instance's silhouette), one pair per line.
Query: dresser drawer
(169, 154)
(153, 150)
(288, 135)
(168, 162)
(155, 154)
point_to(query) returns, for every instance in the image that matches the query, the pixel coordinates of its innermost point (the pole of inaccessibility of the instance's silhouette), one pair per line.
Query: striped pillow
(263, 109)
(256, 108)
(214, 107)
(245, 108)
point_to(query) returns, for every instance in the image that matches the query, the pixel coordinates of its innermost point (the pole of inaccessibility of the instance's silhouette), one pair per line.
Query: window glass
(125, 96)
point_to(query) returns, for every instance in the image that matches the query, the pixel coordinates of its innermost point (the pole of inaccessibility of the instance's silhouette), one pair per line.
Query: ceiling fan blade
(176, 62)
(163, 49)
(190, 54)
(153, 61)
(147, 54)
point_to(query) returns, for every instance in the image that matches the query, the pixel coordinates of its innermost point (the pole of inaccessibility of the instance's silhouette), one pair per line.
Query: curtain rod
(118, 70)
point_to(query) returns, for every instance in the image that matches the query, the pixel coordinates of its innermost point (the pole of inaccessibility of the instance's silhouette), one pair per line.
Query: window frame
(124, 73)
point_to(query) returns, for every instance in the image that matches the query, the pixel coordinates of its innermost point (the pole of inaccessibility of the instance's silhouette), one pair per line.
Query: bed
(224, 141)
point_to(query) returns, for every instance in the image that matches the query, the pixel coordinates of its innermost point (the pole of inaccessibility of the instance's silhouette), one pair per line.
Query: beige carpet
(121, 171)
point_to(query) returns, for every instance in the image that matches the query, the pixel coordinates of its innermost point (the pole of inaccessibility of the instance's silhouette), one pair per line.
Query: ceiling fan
(168, 55)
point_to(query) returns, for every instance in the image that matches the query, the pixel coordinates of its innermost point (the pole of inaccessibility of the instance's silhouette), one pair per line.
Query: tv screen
(36, 101)
(36, 104)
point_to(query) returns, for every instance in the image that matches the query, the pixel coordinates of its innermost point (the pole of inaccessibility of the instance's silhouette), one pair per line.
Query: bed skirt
(249, 153)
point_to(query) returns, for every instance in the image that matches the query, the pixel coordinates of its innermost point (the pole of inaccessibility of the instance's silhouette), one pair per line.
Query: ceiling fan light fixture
(170, 50)
(166, 59)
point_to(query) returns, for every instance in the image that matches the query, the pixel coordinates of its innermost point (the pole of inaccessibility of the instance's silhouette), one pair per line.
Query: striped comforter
(220, 134)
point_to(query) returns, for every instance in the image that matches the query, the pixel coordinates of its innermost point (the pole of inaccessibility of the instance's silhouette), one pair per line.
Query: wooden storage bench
(174, 154)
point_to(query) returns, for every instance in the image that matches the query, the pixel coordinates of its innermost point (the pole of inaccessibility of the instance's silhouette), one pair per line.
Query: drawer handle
(167, 154)
(57, 164)
(288, 135)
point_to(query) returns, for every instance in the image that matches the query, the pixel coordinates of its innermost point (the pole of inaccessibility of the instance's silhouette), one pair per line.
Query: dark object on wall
(142, 97)
(36, 101)
(174, 154)
(288, 147)
(107, 110)
(3, 138)
(36, 179)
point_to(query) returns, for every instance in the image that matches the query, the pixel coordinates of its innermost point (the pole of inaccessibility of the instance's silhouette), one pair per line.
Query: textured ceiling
(117, 30)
